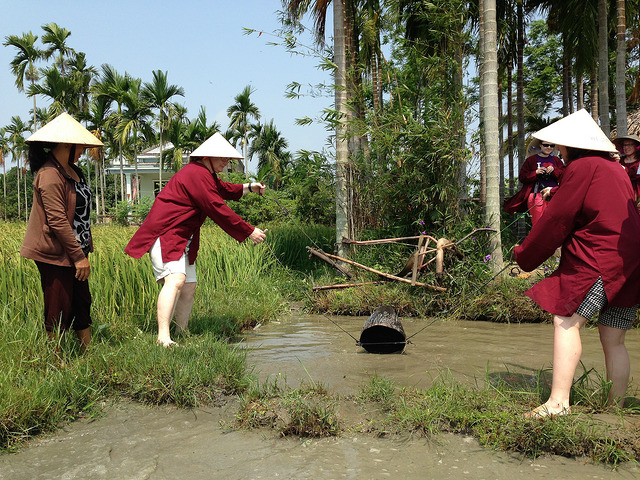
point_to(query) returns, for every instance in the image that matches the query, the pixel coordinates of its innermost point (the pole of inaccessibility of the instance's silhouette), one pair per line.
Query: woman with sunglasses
(629, 148)
(539, 171)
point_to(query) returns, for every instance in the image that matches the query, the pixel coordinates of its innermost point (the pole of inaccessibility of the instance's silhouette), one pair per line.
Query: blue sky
(200, 44)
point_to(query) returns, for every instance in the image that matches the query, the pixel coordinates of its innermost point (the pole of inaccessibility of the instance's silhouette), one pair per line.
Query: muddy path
(131, 441)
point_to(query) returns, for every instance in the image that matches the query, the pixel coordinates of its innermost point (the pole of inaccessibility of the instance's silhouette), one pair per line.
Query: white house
(148, 172)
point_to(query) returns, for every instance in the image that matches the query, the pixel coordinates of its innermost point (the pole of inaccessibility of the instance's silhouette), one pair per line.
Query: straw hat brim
(65, 129)
(577, 130)
(618, 140)
(216, 146)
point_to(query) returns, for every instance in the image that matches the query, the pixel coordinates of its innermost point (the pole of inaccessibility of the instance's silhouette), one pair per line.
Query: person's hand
(541, 171)
(258, 236)
(546, 193)
(83, 269)
(258, 188)
(549, 169)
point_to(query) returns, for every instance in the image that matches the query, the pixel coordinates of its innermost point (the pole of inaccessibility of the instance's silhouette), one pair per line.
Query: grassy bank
(491, 411)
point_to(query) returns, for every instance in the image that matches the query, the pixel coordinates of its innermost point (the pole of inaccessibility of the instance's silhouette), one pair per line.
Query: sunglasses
(548, 145)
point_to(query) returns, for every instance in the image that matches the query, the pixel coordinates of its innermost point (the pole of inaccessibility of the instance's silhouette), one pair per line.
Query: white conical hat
(65, 129)
(216, 146)
(577, 130)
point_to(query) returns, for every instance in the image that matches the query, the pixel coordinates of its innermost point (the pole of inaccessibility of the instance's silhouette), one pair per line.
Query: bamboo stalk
(343, 285)
(382, 274)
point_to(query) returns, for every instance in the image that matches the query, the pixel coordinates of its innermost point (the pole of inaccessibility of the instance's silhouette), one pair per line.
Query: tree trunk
(621, 57)
(483, 164)
(500, 142)
(510, 130)
(579, 92)
(603, 68)
(490, 117)
(520, 101)
(566, 99)
(342, 151)
(595, 101)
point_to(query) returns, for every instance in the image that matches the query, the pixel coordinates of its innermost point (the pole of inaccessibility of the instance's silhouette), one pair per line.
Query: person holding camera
(539, 171)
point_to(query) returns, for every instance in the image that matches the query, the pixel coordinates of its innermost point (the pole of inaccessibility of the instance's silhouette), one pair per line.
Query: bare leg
(567, 349)
(617, 362)
(184, 306)
(84, 336)
(167, 300)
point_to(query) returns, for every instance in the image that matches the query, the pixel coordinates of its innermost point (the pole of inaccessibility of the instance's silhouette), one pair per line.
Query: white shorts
(162, 269)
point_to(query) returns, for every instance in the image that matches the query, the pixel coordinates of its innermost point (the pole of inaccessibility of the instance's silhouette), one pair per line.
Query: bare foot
(546, 410)
(167, 343)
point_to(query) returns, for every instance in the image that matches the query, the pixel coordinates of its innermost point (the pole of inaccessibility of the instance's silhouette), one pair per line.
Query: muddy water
(135, 442)
(312, 348)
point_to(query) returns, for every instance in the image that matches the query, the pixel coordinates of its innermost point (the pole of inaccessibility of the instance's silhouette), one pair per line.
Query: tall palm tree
(270, 147)
(114, 87)
(489, 80)
(295, 10)
(621, 63)
(133, 120)
(18, 147)
(158, 93)
(23, 64)
(81, 75)
(4, 150)
(55, 39)
(240, 112)
(603, 67)
(60, 90)
(99, 112)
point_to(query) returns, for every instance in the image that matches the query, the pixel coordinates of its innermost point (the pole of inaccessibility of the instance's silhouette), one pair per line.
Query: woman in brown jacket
(58, 236)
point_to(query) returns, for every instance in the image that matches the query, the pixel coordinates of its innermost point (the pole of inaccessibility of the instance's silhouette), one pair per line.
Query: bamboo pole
(378, 272)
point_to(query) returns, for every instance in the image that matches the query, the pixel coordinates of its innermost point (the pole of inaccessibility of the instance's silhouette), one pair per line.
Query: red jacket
(180, 209)
(594, 218)
(632, 171)
(528, 178)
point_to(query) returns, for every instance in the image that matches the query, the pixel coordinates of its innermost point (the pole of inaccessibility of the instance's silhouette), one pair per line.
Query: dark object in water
(383, 332)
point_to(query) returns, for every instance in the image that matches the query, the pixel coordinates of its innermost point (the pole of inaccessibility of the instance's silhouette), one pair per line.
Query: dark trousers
(67, 301)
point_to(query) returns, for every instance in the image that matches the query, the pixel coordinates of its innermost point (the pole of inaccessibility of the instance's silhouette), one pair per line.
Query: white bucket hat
(577, 130)
(65, 129)
(216, 146)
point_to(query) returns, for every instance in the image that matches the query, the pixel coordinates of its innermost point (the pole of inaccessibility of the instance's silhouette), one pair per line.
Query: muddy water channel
(135, 442)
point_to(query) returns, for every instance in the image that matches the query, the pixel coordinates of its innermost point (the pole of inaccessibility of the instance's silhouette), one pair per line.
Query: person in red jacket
(171, 231)
(594, 218)
(629, 148)
(539, 171)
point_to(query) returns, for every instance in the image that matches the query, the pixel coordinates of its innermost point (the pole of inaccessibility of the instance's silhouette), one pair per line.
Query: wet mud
(131, 441)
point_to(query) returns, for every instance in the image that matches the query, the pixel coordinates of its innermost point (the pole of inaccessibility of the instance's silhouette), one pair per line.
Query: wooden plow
(429, 250)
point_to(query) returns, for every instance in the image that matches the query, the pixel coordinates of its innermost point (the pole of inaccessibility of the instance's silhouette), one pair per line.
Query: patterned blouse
(82, 217)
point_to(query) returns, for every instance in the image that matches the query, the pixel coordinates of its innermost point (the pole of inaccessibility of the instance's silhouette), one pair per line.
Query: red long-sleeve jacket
(180, 209)
(593, 217)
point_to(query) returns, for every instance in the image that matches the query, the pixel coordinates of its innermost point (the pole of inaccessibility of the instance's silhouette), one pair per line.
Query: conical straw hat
(65, 129)
(577, 130)
(216, 146)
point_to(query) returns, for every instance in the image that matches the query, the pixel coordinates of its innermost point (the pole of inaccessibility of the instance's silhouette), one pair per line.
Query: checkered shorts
(596, 301)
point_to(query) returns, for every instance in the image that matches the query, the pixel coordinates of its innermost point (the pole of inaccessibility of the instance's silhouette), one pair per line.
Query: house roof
(155, 150)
